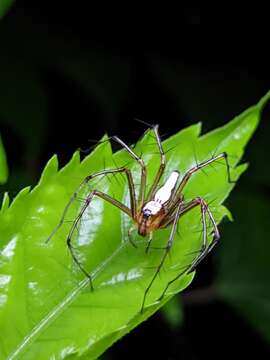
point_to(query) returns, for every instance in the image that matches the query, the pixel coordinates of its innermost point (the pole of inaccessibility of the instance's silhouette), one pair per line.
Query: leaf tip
(50, 168)
(73, 162)
(20, 196)
(263, 101)
(5, 202)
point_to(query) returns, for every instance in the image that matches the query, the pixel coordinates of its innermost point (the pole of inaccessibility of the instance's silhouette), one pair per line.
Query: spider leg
(205, 249)
(161, 166)
(200, 166)
(130, 230)
(140, 161)
(89, 198)
(171, 208)
(131, 212)
(167, 249)
(149, 242)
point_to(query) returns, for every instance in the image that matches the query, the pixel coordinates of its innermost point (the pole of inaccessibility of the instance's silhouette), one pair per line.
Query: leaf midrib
(60, 307)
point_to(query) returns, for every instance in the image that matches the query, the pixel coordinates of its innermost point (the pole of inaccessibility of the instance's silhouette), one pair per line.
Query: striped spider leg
(161, 207)
(166, 208)
(134, 203)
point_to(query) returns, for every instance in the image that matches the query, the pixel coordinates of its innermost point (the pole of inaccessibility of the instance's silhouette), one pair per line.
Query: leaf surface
(47, 310)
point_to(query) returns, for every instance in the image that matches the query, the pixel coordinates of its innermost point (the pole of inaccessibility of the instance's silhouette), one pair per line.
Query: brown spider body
(150, 223)
(154, 211)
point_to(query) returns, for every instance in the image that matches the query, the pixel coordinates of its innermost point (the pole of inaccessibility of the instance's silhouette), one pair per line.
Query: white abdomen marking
(153, 206)
(164, 193)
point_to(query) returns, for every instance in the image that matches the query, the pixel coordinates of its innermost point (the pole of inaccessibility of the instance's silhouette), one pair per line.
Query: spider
(162, 206)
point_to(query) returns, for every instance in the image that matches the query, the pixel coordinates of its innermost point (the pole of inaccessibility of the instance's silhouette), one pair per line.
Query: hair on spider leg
(139, 134)
(226, 156)
(196, 158)
(154, 138)
(210, 202)
(81, 200)
(66, 221)
(212, 167)
(121, 174)
(157, 136)
(157, 247)
(162, 248)
(169, 149)
(177, 230)
(113, 175)
(215, 152)
(73, 247)
(92, 147)
(151, 126)
(181, 267)
(184, 269)
(68, 269)
(197, 228)
(200, 232)
(154, 268)
(115, 178)
(161, 136)
(120, 181)
(147, 208)
(198, 162)
(82, 221)
(218, 163)
(89, 187)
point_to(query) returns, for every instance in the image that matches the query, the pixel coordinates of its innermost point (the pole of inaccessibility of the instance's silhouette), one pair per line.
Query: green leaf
(4, 6)
(3, 164)
(47, 309)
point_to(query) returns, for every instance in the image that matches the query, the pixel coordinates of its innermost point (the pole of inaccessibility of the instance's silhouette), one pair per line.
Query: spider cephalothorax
(154, 211)
(161, 207)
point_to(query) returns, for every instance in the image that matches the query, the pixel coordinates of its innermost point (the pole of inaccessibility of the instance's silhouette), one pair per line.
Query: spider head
(150, 217)
(146, 213)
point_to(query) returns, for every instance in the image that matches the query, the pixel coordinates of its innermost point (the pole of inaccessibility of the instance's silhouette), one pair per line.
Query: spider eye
(147, 213)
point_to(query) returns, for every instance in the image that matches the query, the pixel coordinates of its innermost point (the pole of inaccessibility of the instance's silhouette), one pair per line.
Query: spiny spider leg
(205, 249)
(88, 200)
(149, 242)
(133, 204)
(141, 197)
(130, 231)
(140, 161)
(167, 249)
(161, 166)
(171, 208)
(201, 165)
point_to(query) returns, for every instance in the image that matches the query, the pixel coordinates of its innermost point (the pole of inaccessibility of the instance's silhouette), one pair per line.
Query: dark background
(71, 72)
